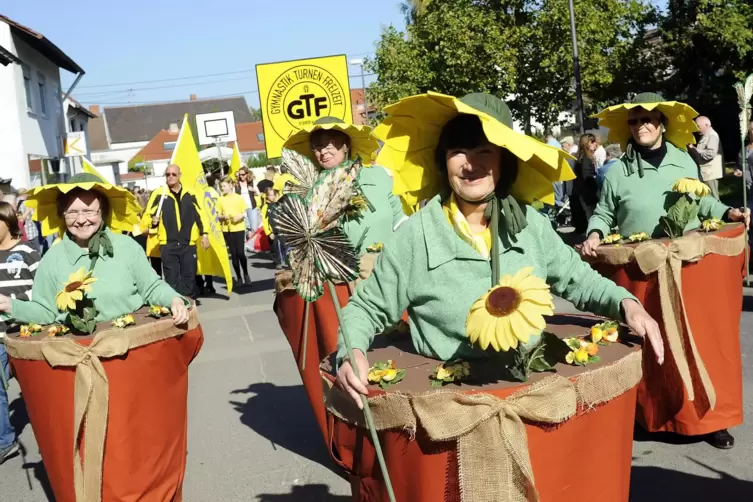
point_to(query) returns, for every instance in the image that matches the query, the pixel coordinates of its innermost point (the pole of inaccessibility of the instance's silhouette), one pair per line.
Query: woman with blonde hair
(585, 189)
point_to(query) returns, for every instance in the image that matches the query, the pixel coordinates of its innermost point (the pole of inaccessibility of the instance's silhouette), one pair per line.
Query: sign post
(294, 94)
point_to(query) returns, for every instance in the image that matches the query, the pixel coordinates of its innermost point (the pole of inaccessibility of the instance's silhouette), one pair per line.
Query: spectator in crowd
(231, 209)
(30, 227)
(708, 155)
(246, 189)
(205, 283)
(614, 152)
(181, 224)
(585, 190)
(559, 188)
(568, 144)
(278, 255)
(600, 153)
(18, 265)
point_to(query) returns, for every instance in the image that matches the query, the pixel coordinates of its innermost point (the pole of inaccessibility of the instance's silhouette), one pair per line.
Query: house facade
(32, 116)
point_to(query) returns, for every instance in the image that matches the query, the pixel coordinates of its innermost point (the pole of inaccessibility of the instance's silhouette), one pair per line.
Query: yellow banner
(235, 162)
(213, 261)
(294, 94)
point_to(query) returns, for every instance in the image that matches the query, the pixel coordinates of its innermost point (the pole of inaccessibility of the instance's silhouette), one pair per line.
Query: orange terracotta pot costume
(712, 293)
(422, 470)
(146, 437)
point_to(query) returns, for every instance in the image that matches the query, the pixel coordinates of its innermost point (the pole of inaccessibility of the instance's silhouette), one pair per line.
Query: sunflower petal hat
(411, 131)
(362, 141)
(124, 209)
(679, 127)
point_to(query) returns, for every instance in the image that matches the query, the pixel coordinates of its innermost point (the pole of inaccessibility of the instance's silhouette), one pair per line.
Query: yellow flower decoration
(510, 312)
(639, 237)
(79, 282)
(691, 185)
(611, 239)
(712, 225)
(123, 321)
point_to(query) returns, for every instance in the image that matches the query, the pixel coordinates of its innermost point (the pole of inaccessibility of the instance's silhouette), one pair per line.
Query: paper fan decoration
(303, 171)
(319, 250)
(744, 95)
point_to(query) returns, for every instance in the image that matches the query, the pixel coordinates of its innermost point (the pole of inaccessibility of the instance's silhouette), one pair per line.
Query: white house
(77, 120)
(32, 119)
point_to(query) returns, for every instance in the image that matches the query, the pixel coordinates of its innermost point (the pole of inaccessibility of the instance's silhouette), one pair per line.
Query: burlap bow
(493, 459)
(666, 260)
(91, 390)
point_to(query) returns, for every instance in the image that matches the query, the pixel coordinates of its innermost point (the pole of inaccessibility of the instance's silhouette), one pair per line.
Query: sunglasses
(640, 120)
(171, 175)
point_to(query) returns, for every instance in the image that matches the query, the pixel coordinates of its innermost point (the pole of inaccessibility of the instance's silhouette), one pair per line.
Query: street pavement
(252, 436)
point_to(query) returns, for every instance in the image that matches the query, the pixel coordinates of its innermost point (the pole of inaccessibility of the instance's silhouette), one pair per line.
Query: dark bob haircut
(9, 217)
(466, 132)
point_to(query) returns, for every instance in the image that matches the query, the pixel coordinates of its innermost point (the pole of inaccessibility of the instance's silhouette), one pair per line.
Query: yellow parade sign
(294, 94)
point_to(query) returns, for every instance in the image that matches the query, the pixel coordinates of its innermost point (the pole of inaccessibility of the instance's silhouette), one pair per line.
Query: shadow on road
(307, 493)
(19, 417)
(655, 484)
(283, 416)
(747, 303)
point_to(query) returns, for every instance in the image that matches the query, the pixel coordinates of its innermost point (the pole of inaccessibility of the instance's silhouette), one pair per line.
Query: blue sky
(146, 40)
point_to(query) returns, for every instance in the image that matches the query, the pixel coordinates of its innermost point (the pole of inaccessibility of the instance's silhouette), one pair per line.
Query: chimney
(173, 127)
(193, 97)
(94, 109)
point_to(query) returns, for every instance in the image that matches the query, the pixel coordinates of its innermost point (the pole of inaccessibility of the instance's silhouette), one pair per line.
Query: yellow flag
(235, 162)
(213, 261)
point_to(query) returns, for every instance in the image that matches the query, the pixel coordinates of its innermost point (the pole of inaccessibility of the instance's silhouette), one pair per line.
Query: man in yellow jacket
(180, 224)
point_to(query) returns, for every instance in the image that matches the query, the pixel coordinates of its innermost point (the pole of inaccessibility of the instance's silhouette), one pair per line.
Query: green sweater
(634, 204)
(124, 283)
(375, 226)
(430, 271)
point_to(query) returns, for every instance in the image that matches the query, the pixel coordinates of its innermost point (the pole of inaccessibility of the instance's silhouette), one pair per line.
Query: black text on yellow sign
(294, 94)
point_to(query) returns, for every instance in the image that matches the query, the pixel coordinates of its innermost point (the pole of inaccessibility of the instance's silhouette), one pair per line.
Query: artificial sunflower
(712, 224)
(691, 185)
(639, 237)
(79, 282)
(510, 312)
(611, 239)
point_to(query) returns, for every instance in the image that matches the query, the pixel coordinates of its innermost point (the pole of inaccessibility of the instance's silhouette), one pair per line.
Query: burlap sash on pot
(91, 392)
(666, 259)
(493, 460)
(284, 278)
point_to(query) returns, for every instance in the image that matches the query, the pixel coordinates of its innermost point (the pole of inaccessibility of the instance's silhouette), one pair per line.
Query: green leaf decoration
(386, 385)
(678, 216)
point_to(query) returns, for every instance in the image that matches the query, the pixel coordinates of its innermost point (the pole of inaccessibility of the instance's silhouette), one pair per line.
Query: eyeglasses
(242, 174)
(328, 146)
(86, 213)
(171, 175)
(642, 120)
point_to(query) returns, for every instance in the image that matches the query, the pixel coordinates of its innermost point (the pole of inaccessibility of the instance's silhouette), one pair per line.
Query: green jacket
(125, 281)
(430, 271)
(634, 204)
(375, 226)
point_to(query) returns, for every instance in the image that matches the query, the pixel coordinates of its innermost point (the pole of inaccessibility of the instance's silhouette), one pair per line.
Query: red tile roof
(131, 176)
(155, 149)
(248, 137)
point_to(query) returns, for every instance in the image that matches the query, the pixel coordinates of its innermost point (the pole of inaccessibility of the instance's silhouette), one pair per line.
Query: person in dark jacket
(181, 224)
(585, 190)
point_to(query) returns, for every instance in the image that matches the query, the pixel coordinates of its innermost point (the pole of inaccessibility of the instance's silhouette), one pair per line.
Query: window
(27, 88)
(42, 83)
(169, 146)
(260, 137)
(73, 125)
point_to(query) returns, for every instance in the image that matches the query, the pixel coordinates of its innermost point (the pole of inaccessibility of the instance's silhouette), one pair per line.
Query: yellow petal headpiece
(362, 142)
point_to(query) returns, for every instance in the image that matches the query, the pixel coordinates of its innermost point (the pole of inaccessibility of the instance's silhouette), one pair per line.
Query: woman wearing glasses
(90, 213)
(245, 188)
(699, 393)
(332, 144)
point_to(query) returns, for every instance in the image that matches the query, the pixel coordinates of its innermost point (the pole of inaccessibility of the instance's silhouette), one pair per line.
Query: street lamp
(576, 67)
(359, 62)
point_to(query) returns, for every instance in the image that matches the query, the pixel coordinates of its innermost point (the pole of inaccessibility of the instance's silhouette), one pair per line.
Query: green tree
(137, 165)
(518, 50)
(255, 113)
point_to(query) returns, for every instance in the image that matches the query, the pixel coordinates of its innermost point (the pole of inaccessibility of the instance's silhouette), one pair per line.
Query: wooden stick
(305, 328)
(366, 408)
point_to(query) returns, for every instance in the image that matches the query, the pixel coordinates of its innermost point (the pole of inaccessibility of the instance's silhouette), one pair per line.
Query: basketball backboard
(215, 127)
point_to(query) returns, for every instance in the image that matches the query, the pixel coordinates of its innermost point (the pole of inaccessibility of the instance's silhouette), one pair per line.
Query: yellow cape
(362, 142)
(679, 128)
(411, 132)
(124, 209)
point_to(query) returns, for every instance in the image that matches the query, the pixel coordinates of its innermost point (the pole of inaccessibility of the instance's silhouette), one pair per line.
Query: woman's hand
(589, 246)
(179, 310)
(347, 380)
(644, 326)
(736, 214)
(221, 217)
(4, 304)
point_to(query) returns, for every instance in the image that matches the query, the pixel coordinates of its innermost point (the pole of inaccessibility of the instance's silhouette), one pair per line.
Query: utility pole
(576, 68)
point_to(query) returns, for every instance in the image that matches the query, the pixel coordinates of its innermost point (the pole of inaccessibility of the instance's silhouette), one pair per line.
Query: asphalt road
(252, 436)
